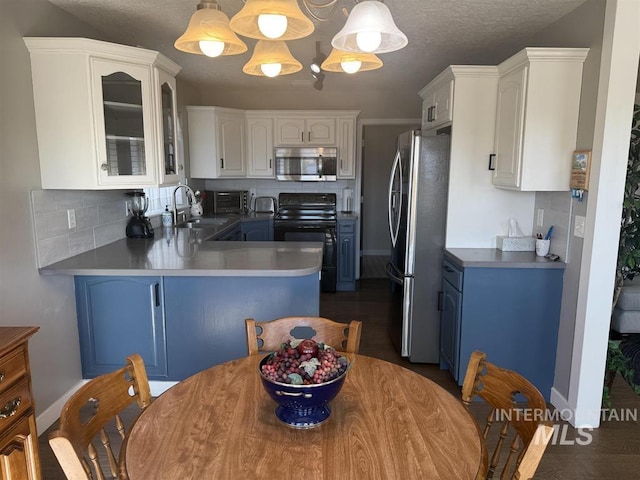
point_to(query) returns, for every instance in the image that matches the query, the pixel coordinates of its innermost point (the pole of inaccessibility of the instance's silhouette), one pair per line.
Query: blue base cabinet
(512, 314)
(346, 280)
(180, 325)
(205, 315)
(118, 316)
(257, 230)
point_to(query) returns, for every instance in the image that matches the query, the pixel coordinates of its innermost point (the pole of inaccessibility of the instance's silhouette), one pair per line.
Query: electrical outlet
(578, 226)
(127, 207)
(540, 218)
(71, 218)
(252, 192)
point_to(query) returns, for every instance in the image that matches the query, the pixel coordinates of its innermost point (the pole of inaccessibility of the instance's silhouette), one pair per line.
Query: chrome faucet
(190, 199)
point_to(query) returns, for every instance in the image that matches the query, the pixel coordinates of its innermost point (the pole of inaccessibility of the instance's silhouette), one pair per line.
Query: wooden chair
(267, 336)
(90, 413)
(520, 410)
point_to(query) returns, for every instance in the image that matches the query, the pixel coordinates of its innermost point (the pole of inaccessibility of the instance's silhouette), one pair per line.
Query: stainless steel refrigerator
(418, 187)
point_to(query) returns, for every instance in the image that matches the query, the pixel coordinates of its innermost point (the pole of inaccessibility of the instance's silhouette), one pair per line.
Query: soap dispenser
(167, 217)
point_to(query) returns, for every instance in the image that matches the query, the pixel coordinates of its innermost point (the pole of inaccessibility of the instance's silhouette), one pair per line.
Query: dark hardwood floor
(611, 452)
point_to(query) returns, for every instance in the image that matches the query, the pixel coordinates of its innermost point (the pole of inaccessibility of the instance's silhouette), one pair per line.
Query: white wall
(478, 211)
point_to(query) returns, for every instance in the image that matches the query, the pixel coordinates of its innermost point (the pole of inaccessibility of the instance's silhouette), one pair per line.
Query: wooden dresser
(19, 459)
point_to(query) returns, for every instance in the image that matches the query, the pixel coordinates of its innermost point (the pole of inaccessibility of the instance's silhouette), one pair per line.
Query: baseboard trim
(562, 405)
(159, 387)
(51, 414)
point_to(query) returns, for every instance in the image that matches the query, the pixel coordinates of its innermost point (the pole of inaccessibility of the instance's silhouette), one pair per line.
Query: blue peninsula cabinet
(180, 302)
(118, 316)
(205, 315)
(180, 325)
(506, 304)
(260, 230)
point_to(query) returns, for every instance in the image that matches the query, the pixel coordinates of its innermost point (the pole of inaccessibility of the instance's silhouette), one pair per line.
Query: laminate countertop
(186, 252)
(494, 258)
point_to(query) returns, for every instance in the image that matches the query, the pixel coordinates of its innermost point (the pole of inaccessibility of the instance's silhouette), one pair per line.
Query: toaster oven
(230, 201)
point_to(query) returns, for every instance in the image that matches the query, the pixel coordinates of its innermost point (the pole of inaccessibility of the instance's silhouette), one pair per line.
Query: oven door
(301, 232)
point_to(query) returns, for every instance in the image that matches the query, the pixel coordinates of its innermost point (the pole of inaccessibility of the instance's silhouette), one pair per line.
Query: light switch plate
(578, 226)
(540, 217)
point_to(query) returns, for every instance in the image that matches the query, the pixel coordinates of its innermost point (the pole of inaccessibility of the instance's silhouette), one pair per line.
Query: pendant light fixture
(350, 62)
(208, 33)
(272, 19)
(271, 58)
(370, 29)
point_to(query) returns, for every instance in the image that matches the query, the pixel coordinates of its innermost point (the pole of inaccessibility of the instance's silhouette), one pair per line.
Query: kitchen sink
(203, 222)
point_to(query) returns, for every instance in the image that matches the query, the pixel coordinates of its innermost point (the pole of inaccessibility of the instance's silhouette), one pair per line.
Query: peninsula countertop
(184, 252)
(494, 258)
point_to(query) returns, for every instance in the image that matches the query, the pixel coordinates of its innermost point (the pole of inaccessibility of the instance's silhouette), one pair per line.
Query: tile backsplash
(100, 219)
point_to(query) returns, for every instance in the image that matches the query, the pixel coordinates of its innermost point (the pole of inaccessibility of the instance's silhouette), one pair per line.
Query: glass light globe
(211, 48)
(271, 69)
(351, 66)
(272, 25)
(368, 41)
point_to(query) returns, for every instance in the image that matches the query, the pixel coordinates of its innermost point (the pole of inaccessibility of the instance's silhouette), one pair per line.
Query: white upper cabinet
(346, 147)
(216, 142)
(226, 142)
(308, 130)
(105, 114)
(259, 146)
(537, 118)
(437, 104)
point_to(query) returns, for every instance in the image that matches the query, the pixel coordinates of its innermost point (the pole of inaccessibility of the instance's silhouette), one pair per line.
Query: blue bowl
(302, 406)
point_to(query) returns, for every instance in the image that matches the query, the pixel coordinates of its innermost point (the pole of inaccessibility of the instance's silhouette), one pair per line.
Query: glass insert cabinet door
(123, 108)
(170, 164)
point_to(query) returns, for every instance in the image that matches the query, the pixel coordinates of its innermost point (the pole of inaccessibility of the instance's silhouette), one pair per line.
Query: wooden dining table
(386, 423)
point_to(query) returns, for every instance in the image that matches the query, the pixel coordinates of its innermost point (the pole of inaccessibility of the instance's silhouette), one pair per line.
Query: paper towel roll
(347, 200)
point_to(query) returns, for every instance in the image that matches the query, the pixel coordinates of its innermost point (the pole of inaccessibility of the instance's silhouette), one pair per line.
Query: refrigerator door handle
(394, 273)
(407, 316)
(394, 202)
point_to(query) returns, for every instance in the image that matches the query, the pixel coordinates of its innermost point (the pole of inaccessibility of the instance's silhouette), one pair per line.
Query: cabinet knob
(104, 167)
(1, 376)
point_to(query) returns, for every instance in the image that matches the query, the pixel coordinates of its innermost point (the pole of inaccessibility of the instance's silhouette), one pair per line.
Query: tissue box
(516, 244)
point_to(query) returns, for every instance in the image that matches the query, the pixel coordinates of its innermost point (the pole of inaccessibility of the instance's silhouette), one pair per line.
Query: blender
(139, 226)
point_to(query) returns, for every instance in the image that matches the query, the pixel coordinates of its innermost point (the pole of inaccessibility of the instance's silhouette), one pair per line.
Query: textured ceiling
(440, 33)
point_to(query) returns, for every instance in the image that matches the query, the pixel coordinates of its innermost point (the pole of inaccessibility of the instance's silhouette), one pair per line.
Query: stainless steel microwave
(306, 164)
(231, 201)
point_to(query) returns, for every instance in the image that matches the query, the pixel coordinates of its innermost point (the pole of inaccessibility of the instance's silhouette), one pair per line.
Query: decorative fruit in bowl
(302, 377)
